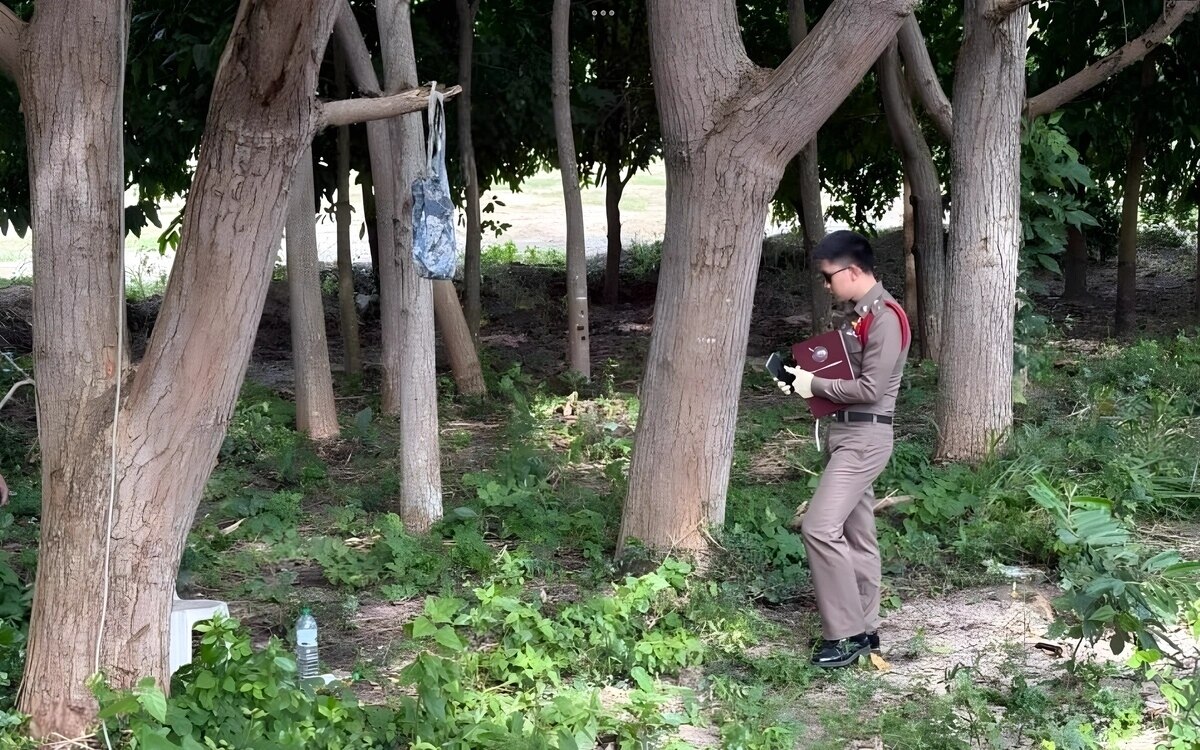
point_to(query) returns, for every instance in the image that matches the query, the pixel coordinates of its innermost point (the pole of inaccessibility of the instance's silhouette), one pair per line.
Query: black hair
(844, 246)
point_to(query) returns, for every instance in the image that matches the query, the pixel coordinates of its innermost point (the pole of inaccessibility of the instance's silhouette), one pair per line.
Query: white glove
(802, 383)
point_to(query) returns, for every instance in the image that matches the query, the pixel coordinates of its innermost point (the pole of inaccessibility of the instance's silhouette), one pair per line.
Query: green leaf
(422, 627)
(362, 420)
(642, 678)
(448, 638)
(1183, 570)
(1102, 614)
(151, 698)
(1049, 263)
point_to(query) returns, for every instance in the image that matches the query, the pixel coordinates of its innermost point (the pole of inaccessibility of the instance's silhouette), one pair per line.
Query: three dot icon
(603, 13)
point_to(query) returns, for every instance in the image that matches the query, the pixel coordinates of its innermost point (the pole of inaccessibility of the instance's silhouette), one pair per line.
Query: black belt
(860, 416)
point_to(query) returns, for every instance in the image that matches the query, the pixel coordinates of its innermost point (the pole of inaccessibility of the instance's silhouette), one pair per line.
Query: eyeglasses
(829, 276)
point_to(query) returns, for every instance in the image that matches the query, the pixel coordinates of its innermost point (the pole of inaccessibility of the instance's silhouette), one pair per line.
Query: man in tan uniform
(839, 525)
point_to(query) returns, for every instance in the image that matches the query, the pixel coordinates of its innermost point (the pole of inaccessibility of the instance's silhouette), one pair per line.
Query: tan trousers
(839, 529)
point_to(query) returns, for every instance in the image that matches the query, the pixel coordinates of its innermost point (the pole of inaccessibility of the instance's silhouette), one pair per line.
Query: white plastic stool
(185, 613)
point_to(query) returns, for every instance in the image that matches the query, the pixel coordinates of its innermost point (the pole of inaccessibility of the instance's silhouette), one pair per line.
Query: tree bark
(456, 336)
(1174, 13)
(614, 186)
(578, 346)
(1075, 266)
(911, 308)
(472, 272)
(71, 79)
(974, 409)
(728, 131)
(923, 78)
(406, 299)
(173, 415)
(922, 176)
(1135, 165)
(1196, 292)
(12, 33)
(347, 310)
(371, 218)
(348, 111)
(812, 218)
(316, 411)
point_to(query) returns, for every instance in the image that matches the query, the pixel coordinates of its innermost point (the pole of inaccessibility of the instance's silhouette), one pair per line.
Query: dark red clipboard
(825, 356)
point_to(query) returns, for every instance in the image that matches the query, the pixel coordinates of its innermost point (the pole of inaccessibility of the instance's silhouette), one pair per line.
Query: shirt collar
(865, 304)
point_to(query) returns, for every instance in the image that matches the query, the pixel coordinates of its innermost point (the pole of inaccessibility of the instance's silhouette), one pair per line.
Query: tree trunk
(1135, 165)
(910, 265)
(71, 84)
(348, 311)
(174, 413)
(1075, 266)
(921, 174)
(614, 186)
(728, 131)
(578, 346)
(466, 149)
(316, 412)
(974, 409)
(371, 216)
(456, 337)
(406, 299)
(812, 218)
(1196, 294)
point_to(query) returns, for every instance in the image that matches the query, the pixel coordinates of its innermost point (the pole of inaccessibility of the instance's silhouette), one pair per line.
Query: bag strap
(435, 115)
(864, 325)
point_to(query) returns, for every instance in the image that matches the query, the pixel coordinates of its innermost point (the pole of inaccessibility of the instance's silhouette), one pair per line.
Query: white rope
(112, 485)
(817, 433)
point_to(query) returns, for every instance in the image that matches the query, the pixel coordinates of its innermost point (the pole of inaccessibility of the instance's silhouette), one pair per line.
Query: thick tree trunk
(1075, 266)
(1196, 292)
(921, 174)
(728, 131)
(316, 412)
(348, 311)
(812, 218)
(614, 186)
(176, 408)
(578, 344)
(456, 337)
(681, 459)
(1135, 165)
(974, 409)
(406, 299)
(71, 82)
(466, 149)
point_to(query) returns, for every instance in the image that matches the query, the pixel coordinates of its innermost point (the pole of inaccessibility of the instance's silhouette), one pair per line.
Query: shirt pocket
(854, 348)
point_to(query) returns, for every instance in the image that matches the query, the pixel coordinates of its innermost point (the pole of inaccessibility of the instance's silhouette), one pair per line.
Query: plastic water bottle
(306, 644)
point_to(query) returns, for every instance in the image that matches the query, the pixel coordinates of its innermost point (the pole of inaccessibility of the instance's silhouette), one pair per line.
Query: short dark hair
(844, 246)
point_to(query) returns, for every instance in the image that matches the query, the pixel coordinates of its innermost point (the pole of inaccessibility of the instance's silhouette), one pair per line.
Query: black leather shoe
(843, 653)
(873, 640)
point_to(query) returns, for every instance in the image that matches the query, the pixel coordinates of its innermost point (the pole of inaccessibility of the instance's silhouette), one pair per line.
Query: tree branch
(923, 78)
(1174, 13)
(1006, 8)
(11, 30)
(350, 111)
(830, 61)
(358, 58)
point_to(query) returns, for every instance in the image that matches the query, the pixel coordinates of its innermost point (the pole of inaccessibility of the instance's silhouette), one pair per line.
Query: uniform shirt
(879, 365)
